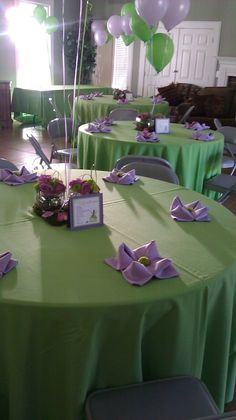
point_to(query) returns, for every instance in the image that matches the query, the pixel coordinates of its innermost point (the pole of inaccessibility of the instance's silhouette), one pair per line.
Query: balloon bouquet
(140, 20)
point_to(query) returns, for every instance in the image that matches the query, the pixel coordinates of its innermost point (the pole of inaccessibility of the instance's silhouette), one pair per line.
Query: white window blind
(120, 65)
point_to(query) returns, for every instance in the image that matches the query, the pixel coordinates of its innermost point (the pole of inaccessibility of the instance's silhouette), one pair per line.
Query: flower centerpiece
(83, 186)
(119, 94)
(50, 199)
(145, 120)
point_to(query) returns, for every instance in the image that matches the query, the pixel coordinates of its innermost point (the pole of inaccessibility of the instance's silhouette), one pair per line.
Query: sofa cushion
(199, 105)
(216, 106)
(222, 95)
(171, 94)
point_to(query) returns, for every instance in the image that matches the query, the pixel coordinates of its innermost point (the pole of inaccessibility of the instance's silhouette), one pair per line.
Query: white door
(194, 61)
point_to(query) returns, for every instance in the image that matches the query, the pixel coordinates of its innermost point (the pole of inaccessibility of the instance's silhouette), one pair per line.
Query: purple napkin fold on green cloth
(198, 135)
(87, 97)
(6, 263)
(17, 178)
(97, 128)
(194, 125)
(123, 101)
(194, 211)
(97, 94)
(104, 121)
(147, 136)
(140, 265)
(117, 176)
(158, 99)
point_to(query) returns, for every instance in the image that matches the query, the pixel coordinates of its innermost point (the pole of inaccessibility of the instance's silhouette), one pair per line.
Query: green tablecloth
(36, 102)
(89, 110)
(194, 161)
(70, 324)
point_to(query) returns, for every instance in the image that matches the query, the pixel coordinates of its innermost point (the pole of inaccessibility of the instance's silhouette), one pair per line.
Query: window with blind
(122, 65)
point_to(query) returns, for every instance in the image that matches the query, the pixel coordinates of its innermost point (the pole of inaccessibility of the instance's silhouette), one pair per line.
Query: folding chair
(123, 114)
(6, 164)
(60, 128)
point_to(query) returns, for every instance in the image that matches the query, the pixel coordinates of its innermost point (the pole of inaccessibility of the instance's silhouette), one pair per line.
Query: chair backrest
(229, 133)
(184, 118)
(39, 151)
(137, 158)
(123, 114)
(58, 127)
(54, 107)
(6, 164)
(217, 123)
(151, 170)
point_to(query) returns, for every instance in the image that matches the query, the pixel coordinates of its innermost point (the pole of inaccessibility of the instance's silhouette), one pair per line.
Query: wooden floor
(15, 146)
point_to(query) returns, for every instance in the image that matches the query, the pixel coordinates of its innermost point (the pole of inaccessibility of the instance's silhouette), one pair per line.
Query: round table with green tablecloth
(194, 161)
(90, 110)
(71, 324)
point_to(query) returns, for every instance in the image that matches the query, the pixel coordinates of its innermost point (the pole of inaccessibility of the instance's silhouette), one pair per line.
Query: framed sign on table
(85, 211)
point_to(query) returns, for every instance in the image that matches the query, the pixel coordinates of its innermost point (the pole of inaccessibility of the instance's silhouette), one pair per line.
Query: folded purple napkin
(104, 120)
(117, 176)
(138, 266)
(145, 135)
(158, 99)
(196, 126)
(87, 97)
(123, 101)
(97, 94)
(17, 178)
(97, 128)
(190, 212)
(6, 263)
(197, 135)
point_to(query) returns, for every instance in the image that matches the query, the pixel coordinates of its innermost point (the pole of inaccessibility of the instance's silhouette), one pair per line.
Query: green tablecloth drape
(71, 324)
(90, 110)
(194, 161)
(35, 102)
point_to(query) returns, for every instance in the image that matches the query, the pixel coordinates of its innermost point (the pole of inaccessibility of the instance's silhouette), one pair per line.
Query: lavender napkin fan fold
(194, 211)
(7, 263)
(138, 266)
(119, 177)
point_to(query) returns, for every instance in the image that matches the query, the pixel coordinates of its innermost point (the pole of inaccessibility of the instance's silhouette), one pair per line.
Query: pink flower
(85, 188)
(62, 216)
(44, 179)
(46, 188)
(47, 214)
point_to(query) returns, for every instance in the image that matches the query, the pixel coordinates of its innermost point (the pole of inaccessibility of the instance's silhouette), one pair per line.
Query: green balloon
(51, 24)
(128, 9)
(128, 39)
(40, 13)
(159, 51)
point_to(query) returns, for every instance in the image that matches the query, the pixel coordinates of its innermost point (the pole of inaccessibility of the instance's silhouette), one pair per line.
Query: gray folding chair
(123, 114)
(57, 129)
(6, 164)
(137, 158)
(179, 398)
(184, 117)
(43, 158)
(217, 123)
(229, 144)
(151, 170)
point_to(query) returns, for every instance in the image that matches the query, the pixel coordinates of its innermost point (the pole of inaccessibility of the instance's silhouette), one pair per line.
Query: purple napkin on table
(147, 136)
(6, 263)
(17, 178)
(190, 212)
(158, 99)
(87, 97)
(123, 101)
(197, 135)
(117, 176)
(104, 120)
(97, 128)
(138, 266)
(97, 94)
(196, 126)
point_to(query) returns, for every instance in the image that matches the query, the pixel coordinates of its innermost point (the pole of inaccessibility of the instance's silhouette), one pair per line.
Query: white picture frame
(85, 211)
(162, 125)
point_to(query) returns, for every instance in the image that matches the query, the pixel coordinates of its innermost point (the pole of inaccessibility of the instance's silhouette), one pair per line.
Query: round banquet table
(194, 161)
(90, 110)
(71, 324)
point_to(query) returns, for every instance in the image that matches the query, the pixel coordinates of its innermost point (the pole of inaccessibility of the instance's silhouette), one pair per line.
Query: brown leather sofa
(210, 102)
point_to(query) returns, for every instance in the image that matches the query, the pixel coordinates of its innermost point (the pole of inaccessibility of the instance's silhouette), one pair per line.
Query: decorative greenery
(89, 54)
(84, 186)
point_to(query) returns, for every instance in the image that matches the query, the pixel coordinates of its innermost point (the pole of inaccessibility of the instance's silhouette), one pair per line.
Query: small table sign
(86, 211)
(129, 96)
(162, 125)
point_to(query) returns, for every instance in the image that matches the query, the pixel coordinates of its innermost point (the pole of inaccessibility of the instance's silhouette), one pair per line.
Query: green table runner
(89, 110)
(194, 161)
(70, 324)
(35, 102)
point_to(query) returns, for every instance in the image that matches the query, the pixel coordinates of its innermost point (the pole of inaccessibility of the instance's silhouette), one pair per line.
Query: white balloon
(151, 11)
(97, 25)
(100, 37)
(114, 25)
(125, 25)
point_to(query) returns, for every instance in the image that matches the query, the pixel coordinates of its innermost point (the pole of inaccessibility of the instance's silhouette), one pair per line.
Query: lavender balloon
(100, 37)
(176, 12)
(151, 10)
(97, 25)
(114, 25)
(125, 25)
